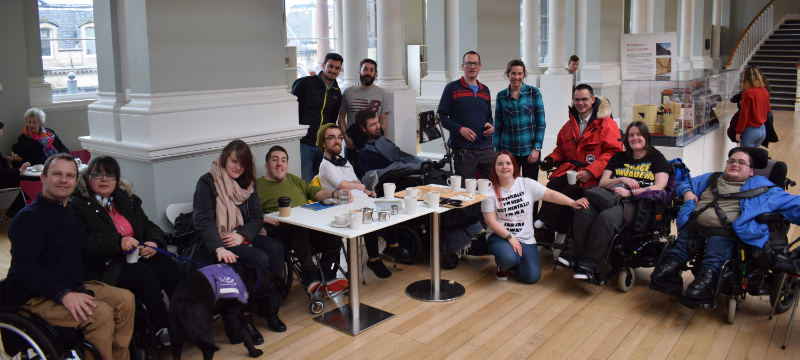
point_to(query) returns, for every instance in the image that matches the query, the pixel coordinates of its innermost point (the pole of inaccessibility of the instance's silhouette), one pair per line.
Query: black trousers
(559, 217)
(593, 228)
(530, 171)
(263, 252)
(305, 242)
(371, 242)
(146, 278)
(467, 161)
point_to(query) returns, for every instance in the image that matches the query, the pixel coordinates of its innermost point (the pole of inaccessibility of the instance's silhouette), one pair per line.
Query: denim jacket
(519, 123)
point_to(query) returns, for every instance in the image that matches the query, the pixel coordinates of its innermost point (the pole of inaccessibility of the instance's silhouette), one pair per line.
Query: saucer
(334, 224)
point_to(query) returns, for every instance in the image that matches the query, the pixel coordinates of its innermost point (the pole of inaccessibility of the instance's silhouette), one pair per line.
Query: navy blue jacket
(45, 253)
(462, 107)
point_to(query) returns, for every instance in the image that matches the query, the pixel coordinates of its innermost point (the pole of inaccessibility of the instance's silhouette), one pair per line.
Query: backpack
(680, 170)
(187, 239)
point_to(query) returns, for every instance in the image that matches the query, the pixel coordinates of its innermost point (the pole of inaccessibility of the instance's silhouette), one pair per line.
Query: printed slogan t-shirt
(516, 212)
(642, 170)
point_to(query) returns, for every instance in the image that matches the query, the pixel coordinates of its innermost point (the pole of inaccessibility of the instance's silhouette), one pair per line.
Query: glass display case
(679, 107)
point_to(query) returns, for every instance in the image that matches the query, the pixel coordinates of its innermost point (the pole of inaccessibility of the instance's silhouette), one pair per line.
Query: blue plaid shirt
(519, 124)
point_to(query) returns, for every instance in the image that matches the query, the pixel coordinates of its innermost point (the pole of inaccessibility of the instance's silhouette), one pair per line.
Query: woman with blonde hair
(755, 107)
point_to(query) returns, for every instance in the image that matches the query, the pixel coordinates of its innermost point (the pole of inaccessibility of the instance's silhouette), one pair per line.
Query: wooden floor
(556, 318)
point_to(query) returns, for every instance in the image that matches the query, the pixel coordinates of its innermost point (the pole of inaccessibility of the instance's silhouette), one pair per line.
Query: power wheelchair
(745, 273)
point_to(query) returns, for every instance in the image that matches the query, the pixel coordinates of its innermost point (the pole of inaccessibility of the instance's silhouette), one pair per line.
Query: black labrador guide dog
(191, 314)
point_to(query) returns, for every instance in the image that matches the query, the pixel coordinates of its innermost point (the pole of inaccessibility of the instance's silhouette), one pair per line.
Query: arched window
(48, 34)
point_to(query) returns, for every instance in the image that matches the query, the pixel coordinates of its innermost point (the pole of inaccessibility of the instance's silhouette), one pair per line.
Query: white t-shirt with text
(516, 213)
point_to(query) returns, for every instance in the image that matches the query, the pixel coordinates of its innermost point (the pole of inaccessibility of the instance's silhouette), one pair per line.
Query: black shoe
(250, 328)
(667, 269)
(584, 274)
(703, 285)
(394, 252)
(449, 260)
(379, 268)
(275, 324)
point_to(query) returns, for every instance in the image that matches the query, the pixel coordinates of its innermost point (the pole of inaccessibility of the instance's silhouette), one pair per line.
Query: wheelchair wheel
(410, 243)
(732, 309)
(20, 336)
(316, 307)
(288, 277)
(626, 278)
(783, 292)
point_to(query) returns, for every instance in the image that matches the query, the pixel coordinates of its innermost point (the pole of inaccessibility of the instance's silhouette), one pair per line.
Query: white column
(354, 20)
(556, 17)
(686, 35)
(638, 16)
(323, 47)
(452, 55)
(338, 26)
(530, 36)
(390, 45)
(716, 22)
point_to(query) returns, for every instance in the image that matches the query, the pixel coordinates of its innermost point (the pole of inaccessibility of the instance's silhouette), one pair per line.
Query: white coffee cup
(483, 186)
(572, 177)
(341, 218)
(132, 257)
(356, 217)
(388, 190)
(432, 198)
(470, 185)
(411, 204)
(412, 191)
(40, 167)
(454, 182)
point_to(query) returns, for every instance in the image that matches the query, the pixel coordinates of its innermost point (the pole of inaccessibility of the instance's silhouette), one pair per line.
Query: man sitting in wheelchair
(725, 210)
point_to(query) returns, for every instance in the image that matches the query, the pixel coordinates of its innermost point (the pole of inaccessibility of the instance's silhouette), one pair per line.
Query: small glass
(344, 196)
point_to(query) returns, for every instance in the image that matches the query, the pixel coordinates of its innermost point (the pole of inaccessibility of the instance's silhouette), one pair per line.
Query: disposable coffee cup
(572, 177)
(284, 206)
(388, 190)
(132, 257)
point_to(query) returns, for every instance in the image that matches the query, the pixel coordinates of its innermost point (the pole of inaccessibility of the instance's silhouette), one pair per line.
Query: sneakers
(163, 337)
(379, 268)
(584, 274)
(564, 261)
(336, 286)
(501, 274)
(311, 283)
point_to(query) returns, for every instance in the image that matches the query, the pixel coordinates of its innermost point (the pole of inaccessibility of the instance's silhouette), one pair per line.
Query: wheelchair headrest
(775, 172)
(759, 156)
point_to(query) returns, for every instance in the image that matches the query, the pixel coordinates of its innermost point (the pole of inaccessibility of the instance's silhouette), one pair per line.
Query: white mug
(356, 217)
(483, 186)
(572, 177)
(454, 182)
(132, 257)
(341, 218)
(388, 190)
(412, 191)
(433, 199)
(470, 185)
(411, 204)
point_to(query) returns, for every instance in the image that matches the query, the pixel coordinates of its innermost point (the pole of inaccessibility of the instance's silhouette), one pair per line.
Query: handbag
(602, 198)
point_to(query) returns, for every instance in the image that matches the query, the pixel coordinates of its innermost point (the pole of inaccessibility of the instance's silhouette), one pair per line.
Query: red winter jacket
(594, 148)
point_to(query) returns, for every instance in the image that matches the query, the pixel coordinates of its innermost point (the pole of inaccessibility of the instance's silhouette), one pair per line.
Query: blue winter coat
(749, 230)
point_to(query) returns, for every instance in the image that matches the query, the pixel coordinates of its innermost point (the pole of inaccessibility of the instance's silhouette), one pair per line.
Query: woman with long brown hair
(508, 212)
(755, 107)
(227, 215)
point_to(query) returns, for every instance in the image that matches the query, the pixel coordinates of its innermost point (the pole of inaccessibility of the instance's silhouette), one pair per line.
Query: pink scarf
(229, 196)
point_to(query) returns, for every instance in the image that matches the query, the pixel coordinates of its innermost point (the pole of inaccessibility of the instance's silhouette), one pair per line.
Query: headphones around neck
(337, 160)
(104, 202)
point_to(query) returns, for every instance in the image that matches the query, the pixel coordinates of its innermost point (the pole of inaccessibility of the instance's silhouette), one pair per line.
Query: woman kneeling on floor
(508, 212)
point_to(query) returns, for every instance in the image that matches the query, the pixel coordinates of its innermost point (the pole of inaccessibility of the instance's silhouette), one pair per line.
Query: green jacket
(101, 241)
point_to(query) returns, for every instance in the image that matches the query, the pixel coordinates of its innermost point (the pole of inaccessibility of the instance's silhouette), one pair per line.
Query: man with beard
(722, 220)
(378, 152)
(364, 96)
(318, 101)
(336, 172)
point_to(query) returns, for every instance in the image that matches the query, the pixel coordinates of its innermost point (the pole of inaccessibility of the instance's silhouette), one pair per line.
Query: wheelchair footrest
(692, 303)
(550, 245)
(672, 286)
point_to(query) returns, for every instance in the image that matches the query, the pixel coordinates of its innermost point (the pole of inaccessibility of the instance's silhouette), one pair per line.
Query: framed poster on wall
(648, 54)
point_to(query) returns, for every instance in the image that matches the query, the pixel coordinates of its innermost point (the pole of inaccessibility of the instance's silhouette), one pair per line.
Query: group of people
(94, 217)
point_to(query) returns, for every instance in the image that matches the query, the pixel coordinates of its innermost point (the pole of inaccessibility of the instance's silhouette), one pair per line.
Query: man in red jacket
(585, 144)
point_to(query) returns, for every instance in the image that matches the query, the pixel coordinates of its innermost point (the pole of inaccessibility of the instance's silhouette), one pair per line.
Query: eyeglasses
(98, 176)
(340, 138)
(740, 162)
(471, 64)
(577, 100)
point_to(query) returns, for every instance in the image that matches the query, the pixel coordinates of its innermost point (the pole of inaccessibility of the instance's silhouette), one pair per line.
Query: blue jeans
(310, 158)
(753, 136)
(718, 249)
(527, 266)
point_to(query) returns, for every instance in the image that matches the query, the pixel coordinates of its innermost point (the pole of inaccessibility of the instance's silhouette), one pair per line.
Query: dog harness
(225, 282)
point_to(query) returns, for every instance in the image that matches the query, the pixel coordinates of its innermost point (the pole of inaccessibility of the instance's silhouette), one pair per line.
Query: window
(47, 48)
(88, 45)
(543, 35)
(302, 30)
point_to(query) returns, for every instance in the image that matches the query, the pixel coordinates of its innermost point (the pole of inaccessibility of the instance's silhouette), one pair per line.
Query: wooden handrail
(733, 52)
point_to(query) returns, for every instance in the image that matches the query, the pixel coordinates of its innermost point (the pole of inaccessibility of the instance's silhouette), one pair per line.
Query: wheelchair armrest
(769, 217)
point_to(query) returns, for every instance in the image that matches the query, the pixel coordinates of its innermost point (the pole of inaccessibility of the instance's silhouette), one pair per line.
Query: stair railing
(797, 92)
(751, 38)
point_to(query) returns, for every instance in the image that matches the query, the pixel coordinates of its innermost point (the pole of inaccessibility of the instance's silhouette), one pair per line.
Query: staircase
(777, 58)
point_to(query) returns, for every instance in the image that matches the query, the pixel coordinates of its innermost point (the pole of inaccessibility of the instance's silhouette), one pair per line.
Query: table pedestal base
(422, 290)
(340, 319)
